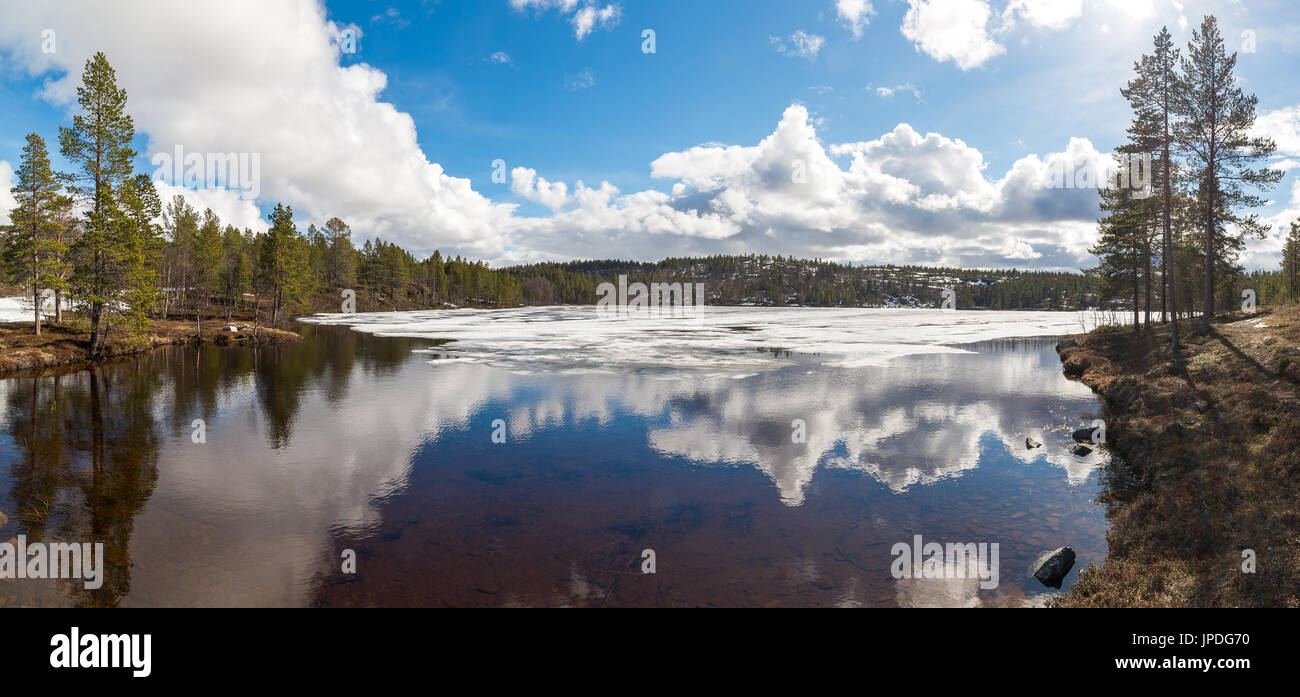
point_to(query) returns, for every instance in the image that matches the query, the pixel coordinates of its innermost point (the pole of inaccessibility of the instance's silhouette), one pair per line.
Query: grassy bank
(67, 345)
(1209, 464)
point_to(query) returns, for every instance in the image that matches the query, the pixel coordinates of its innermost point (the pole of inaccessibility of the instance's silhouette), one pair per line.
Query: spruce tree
(141, 243)
(33, 251)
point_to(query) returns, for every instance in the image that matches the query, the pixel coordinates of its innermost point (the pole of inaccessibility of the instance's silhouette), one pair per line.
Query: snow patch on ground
(15, 309)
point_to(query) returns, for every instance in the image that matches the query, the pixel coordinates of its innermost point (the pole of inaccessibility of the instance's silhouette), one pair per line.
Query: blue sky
(920, 129)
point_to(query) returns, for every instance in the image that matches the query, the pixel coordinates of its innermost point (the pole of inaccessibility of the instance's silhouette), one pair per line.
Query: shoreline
(1202, 494)
(63, 347)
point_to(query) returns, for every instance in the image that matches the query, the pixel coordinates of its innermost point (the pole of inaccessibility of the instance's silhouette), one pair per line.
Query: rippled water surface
(620, 436)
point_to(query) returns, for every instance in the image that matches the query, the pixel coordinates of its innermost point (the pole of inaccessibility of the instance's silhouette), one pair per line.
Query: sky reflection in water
(381, 445)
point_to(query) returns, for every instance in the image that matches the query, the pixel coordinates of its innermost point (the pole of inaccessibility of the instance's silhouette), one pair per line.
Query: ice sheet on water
(730, 339)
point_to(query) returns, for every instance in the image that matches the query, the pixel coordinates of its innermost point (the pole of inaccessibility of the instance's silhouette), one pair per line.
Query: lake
(532, 457)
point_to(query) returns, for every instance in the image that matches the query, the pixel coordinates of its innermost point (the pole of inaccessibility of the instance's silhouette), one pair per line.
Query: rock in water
(1051, 567)
(1081, 450)
(1083, 435)
(1065, 344)
(1030, 443)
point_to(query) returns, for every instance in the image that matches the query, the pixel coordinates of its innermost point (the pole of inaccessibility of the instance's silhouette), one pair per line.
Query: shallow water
(384, 446)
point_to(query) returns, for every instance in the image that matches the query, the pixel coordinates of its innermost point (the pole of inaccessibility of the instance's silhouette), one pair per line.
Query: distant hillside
(788, 282)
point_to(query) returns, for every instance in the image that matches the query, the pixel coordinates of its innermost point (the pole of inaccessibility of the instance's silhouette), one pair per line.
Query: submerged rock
(1051, 567)
(1080, 450)
(1030, 443)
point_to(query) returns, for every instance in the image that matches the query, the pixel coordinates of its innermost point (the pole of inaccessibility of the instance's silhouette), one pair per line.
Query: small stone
(1051, 567)
(1030, 443)
(1081, 450)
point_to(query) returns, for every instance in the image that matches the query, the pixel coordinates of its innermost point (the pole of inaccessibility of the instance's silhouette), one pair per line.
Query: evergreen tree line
(782, 281)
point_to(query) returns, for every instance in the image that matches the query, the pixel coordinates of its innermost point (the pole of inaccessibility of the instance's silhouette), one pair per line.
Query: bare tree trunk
(1146, 253)
(36, 301)
(1137, 308)
(1208, 293)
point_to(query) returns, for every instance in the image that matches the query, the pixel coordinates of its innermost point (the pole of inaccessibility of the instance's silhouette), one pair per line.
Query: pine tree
(207, 258)
(182, 226)
(284, 263)
(1152, 95)
(1291, 264)
(33, 250)
(341, 256)
(1120, 245)
(1213, 132)
(99, 145)
(236, 268)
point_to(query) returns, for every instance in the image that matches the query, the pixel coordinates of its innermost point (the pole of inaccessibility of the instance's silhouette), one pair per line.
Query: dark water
(354, 442)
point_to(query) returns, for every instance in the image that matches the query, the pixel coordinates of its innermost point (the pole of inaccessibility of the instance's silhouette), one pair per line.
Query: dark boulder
(1083, 435)
(1081, 450)
(1051, 567)
(1030, 443)
(1065, 344)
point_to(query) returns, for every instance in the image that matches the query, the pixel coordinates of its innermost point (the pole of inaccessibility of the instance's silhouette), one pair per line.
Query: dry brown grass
(1209, 464)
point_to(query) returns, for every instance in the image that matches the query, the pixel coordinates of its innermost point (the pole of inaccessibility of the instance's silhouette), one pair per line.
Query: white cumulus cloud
(271, 84)
(905, 197)
(952, 30)
(1049, 14)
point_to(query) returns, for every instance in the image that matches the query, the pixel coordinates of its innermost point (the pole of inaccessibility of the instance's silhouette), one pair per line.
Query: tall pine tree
(1213, 132)
(99, 145)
